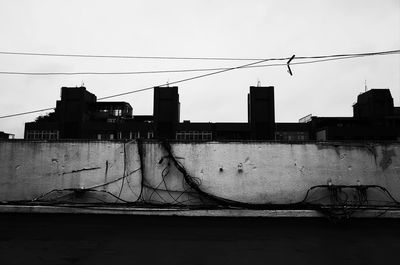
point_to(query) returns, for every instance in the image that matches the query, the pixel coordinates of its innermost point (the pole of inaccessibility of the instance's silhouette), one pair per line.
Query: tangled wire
(335, 201)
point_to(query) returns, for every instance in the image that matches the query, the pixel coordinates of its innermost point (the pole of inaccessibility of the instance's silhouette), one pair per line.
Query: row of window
(42, 135)
(180, 135)
(55, 135)
(292, 136)
(194, 135)
(114, 112)
(132, 135)
(206, 135)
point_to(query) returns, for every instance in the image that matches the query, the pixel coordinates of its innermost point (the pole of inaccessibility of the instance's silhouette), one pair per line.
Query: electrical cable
(139, 146)
(332, 211)
(148, 88)
(162, 71)
(321, 59)
(337, 209)
(112, 181)
(124, 170)
(126, 56)
(173, 57)
(254, 64)
(25, 113)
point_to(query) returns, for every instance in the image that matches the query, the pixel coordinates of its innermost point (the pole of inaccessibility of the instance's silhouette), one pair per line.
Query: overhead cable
(327, 58)
(219, 71)
(147, 88)
(175, 57)
(127, 56)
(25, 113)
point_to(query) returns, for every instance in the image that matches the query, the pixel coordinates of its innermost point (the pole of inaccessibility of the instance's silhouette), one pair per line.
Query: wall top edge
(152, 141)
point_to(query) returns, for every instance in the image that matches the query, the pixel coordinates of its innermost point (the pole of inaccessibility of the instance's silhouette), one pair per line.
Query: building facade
(78, 115)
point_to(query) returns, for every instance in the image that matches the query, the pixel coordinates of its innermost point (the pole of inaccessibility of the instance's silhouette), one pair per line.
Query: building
(4, 135)
(374, 118)
(166, 111)
(261, 112)
(78, 115)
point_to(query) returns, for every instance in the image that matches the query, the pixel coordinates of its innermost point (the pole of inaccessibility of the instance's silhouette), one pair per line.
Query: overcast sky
(248, 29)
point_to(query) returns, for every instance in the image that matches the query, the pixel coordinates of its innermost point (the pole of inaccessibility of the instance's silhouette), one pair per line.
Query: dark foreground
(101, 239)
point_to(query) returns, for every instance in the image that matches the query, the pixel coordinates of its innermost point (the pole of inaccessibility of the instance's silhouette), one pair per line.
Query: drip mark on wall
(386, 160)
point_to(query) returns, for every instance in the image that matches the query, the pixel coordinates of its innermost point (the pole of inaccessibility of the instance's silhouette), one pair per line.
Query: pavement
(83, 238)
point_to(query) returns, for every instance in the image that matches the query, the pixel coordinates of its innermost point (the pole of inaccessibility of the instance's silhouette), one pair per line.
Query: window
(134, 135)
(206, 135)
(42, 135)
(150, 135)
(194, 135)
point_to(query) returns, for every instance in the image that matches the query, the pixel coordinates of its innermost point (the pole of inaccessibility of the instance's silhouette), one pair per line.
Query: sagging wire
(339, 206)
(78, 191)
(164, 173)
(125, 177)
(157, 190)
(93, 188)
(140, 200)
(124, 171)
(195, 184)
(113, 181)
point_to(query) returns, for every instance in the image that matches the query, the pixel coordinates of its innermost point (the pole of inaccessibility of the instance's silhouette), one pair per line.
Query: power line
(218, 72)
(25, 113)
(147, 88)
(171, 57)
(186, 79)
(126, 56)
(153, 71)
(328, 58)
(222, 71)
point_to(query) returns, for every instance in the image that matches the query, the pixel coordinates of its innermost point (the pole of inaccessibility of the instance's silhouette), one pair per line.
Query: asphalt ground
(123, 239)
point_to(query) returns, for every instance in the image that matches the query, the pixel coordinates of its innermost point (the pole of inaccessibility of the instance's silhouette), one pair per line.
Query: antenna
(365, 85)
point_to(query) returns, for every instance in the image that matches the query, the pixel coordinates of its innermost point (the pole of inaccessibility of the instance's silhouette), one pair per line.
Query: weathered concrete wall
(281, 173)
(31, 169)
(255, 172)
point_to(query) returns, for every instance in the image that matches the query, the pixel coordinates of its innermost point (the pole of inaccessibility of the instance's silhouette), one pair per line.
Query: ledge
(71, 209)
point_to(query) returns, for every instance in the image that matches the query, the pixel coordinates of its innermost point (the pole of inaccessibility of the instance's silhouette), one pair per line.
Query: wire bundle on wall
(334, 201)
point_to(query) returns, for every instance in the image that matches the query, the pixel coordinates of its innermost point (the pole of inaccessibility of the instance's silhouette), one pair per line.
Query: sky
(203, 28)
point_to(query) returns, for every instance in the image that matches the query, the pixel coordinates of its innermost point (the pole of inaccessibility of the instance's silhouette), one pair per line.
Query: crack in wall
(80, 170)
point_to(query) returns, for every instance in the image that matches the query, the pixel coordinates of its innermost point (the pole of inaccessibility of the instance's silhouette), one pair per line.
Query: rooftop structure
(4, 135)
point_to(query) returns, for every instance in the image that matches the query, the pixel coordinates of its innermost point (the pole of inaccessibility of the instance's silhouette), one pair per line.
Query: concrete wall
(276, 172)
(31, 169)
(254, 172)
